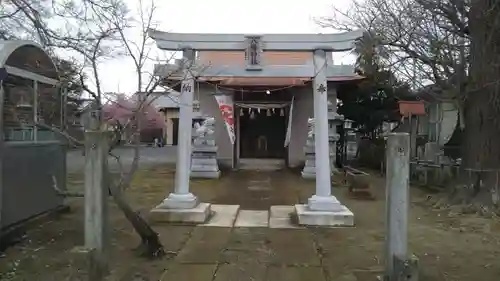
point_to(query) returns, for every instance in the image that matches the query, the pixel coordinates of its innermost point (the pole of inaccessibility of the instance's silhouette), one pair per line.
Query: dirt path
(449, 247)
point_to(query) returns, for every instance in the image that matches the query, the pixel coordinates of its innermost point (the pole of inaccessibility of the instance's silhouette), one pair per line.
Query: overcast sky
(225, 16)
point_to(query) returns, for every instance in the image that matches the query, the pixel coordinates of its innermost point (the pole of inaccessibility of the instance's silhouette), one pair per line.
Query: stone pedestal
(204, 152)
(324, 211)
(204, 163)
(309, 171)
(306, 216)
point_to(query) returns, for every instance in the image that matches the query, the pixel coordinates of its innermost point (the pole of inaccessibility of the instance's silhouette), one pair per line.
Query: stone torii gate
(322, 208)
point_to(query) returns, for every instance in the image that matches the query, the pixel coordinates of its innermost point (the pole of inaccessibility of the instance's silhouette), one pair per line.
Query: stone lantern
(351, 144)
(348, 124)
(334, 119)
(309, 171)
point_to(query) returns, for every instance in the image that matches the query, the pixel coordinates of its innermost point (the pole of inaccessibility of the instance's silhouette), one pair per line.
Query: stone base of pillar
(183, 208)
(180, 208)
(198, 214)
(179, 201)
(307, 217)
(324, 203)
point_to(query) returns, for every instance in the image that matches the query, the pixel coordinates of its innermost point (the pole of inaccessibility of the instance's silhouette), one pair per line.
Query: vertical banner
(289, 125)
(226, 107)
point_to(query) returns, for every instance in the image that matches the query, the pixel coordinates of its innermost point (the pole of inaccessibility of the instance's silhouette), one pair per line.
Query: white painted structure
(322, 208)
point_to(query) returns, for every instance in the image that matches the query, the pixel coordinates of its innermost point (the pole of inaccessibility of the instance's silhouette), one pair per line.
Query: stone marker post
(96, 193)
(397, 267)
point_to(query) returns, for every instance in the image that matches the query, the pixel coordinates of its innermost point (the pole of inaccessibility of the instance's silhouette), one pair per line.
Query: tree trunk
(481, 143)
(150, 246)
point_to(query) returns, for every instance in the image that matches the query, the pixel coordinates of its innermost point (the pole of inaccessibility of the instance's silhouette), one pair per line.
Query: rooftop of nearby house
(167, 100)
(411, 108)
(434, 94)
(164, 99)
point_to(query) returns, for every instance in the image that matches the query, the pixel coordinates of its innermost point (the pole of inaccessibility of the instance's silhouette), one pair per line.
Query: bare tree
(95, 30)
(453, 44)
(482, 112)
(423, 38)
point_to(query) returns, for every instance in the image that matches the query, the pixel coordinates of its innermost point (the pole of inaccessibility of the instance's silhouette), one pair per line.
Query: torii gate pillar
(181, 205)
(322, 208)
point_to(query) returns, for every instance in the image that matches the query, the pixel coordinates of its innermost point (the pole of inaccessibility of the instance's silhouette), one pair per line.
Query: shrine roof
(266, 81)
(284, 68)
(237, 58)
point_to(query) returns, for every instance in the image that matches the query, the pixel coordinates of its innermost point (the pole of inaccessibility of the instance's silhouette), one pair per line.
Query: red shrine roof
(237, 58)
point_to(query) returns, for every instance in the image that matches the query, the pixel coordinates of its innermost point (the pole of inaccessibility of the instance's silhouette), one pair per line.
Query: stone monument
(309, 171)
(204, 151)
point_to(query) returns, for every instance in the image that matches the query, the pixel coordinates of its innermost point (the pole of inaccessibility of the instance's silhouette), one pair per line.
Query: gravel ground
(449, 246)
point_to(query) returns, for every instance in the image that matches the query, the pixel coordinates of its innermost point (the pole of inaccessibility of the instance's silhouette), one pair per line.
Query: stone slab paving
(204, 245)
(248, 245)
(224, 215)
(232, 216)
(251, 218)
(241, 272)
(247, 254)
(294, 247)
(280, 217)
(254, 240)
(287, 273)
(189, 272)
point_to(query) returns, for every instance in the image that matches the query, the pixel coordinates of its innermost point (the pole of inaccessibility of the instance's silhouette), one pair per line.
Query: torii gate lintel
(331, 42)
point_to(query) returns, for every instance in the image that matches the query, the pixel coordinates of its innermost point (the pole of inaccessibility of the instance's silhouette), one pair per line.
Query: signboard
(289, 126)
(226, 107)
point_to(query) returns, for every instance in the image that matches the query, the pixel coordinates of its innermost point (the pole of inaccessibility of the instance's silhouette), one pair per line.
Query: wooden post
(96, 192)
(397, 196)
